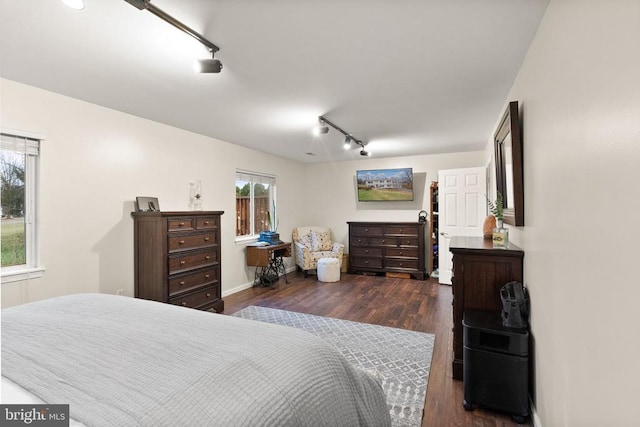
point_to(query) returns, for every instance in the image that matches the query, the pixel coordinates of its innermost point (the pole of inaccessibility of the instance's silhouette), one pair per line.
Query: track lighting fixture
(205, 65)
(209, 65)
(348, 138)
(322, 127)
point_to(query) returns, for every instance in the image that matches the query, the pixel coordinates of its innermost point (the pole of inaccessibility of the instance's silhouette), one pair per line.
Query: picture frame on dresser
(147, 204)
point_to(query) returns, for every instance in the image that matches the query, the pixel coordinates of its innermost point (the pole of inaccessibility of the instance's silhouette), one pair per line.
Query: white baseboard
(248, 285)
(534, 415)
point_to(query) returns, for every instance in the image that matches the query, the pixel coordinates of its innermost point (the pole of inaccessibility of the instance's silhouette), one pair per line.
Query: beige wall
(94, 163)
(580, 93)
(333, 185)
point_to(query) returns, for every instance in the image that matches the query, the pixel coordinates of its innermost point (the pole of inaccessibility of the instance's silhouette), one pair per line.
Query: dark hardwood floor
(423, 306)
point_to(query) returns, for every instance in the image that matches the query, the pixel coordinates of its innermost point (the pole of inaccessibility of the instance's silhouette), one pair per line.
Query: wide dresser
(177, 258)
(388, 247)
(479, 272)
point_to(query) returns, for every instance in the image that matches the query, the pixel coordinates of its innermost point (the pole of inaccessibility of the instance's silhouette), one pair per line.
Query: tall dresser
(479, 272)
(388, 247)
(177, 258)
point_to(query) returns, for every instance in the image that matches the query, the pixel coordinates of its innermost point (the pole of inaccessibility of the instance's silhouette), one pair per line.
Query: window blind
(256, 178)
(19, 144)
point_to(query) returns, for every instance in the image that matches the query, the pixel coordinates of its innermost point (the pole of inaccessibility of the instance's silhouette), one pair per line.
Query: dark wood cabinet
(381, 247)
(479, 272)
(177, 258)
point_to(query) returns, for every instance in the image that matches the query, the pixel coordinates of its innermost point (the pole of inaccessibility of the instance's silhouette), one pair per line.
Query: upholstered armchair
(312, 243)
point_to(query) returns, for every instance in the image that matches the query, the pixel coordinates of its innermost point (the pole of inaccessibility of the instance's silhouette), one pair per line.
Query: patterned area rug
(401, 358)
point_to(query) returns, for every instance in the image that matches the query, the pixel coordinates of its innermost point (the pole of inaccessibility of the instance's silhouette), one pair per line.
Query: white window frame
(28, 143)
(255, 178)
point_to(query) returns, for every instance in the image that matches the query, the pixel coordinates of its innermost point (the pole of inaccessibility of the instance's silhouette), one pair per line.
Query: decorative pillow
(306, 241)
(321, 241)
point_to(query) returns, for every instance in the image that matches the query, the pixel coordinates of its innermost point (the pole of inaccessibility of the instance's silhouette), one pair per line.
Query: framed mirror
(509, 166)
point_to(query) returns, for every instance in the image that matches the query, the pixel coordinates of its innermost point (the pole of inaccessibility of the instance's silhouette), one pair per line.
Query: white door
(462, 209)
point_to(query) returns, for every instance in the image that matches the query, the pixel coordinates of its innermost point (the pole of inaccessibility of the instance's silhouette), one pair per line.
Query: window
(255, 197)
(18, 187)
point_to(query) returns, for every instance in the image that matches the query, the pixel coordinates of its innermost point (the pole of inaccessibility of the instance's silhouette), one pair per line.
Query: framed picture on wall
(147, 204)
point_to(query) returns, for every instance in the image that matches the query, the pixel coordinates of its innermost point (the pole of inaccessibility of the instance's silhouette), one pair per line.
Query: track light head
(347, 142)
(321, 129)
(363, 152)
(209, 65)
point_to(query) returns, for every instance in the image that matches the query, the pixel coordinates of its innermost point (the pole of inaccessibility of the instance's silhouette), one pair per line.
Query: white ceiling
(408, 76)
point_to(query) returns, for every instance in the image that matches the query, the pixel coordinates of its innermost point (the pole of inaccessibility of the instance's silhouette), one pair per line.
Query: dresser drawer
(180, 224)
(404, 263)
(363, 230)
(401, 230)
(408, 242)
(402, 252)
(208, 223)
(190, 281)
(192, 241)
(365, 262)
(359, 241)
(366, 251)
(195, 299)
(384, 241)
(191, 261)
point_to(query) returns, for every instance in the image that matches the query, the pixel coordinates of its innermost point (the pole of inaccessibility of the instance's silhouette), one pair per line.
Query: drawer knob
(383, 241)
(184, 303)
(400, 253)
(208, 295)
(366, 262)
(182, 283)
(366, 230)
(183, 262)
(366, 251)
(206, 223)
(207, 257)
(206, 239)
(181, 242)
(206, 276)
(181, 224)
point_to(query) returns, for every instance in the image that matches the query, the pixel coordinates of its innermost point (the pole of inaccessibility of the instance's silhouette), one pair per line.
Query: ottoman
(328, 270)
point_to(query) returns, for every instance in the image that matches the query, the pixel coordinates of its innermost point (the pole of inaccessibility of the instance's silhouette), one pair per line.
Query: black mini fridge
(496, 365)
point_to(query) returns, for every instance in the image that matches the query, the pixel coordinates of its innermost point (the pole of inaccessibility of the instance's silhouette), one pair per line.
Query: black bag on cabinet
(515, 305)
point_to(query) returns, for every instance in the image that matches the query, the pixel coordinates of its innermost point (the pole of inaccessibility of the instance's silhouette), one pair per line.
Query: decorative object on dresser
(147, 204)
(388, 247)
(479, 273)
(177, 258)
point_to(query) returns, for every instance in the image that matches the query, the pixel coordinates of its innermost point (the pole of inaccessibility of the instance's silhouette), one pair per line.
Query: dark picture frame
(147, 204)
(509, 165)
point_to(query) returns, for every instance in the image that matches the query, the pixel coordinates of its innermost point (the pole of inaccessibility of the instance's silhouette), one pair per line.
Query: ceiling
(409, 77)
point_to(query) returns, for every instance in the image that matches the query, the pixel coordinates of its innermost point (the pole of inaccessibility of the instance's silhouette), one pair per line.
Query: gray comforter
(124, 361)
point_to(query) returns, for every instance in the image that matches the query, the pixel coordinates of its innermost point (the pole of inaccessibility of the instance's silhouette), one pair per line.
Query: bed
(123, 361)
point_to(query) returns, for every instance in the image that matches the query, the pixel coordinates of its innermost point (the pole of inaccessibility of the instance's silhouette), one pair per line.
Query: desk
(268, 262)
